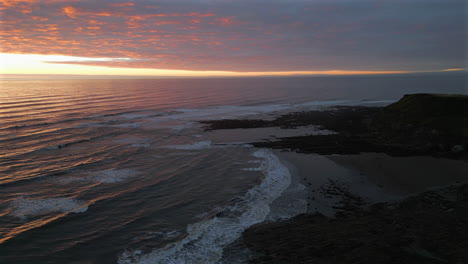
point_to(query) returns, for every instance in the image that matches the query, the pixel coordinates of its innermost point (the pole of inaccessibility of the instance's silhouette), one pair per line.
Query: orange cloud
(207, 38)
(159, 23)
(99, 14)
(122, 4)
(38, 18)
(226, 20)
(12, 3)
(70, 11)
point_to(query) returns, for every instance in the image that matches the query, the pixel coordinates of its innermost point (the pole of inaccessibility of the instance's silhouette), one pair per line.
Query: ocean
(120, 170)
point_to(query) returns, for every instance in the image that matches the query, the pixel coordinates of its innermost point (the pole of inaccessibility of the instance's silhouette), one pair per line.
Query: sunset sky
(227, 37)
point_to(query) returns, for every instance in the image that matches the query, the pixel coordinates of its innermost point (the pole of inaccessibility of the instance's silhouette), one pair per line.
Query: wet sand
(405, 175)
(366, 178)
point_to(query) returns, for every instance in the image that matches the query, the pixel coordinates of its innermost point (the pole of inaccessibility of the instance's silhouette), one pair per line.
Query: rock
(412, 231)
(441, 147)
(462, 193)
(457, 149)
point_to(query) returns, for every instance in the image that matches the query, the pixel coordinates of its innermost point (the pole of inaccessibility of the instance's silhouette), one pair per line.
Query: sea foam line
(206, 240)
(195, 146)
(25, 206)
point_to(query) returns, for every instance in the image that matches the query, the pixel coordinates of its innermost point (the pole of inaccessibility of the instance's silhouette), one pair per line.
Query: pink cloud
(122, 4)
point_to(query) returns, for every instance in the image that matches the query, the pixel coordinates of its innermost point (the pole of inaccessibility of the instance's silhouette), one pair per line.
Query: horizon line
(225, 74)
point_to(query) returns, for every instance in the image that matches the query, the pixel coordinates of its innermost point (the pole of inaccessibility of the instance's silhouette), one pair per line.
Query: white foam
(107, 176)
(251, 169)
(161, 235)
(111, 176)
(182, 154)
(141, 145)
(226, 112)
(127, 125)
(135, 115)
(24, 206)
(195, 146)
(189, 116)
(205, 240)
(183, 126)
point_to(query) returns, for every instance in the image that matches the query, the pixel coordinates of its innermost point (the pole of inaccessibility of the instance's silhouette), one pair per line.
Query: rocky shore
(419, 124)
(431, 227)
(416, 147)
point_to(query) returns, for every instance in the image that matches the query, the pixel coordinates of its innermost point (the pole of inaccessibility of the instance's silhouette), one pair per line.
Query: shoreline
(405, 175)
(374, 193)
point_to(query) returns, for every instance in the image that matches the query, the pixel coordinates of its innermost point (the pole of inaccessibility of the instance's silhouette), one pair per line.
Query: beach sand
(338, 182)
(405, 175)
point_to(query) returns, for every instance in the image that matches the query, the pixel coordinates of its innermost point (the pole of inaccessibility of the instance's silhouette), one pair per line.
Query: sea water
(120, 170)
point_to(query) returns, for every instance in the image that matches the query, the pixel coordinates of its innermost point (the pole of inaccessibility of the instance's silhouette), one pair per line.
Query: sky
(231, 37)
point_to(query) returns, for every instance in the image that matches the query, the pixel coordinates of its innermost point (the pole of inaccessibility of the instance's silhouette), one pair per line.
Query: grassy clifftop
(442, 114)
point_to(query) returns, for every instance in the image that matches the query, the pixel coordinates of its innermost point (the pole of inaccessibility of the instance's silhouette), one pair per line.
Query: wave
(229, 111)
(26, 171)
(24, 207)
(206, 240)
(219, 112)
(107, 176)
(37, 122)
(195, 146)
(44, 144)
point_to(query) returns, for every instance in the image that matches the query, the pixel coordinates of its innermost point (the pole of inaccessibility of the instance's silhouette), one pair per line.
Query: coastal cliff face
(446, 115)
(435, 122)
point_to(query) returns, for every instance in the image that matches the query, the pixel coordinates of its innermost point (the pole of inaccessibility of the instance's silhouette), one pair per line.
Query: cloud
(241, 35)
(70, 11)
(122, 4)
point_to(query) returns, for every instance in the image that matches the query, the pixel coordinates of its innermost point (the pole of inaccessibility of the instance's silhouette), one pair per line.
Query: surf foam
(24, 206)
(195, 146)
(106, 176)
(205, 240)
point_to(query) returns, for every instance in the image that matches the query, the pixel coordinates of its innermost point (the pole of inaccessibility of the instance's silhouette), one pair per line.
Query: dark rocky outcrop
(440, 114)
(428, 228)
(418, 124)
(432, 122)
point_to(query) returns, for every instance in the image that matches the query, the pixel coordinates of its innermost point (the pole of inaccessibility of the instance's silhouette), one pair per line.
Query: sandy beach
(335, 204)
(405, 175)
(333, 181)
